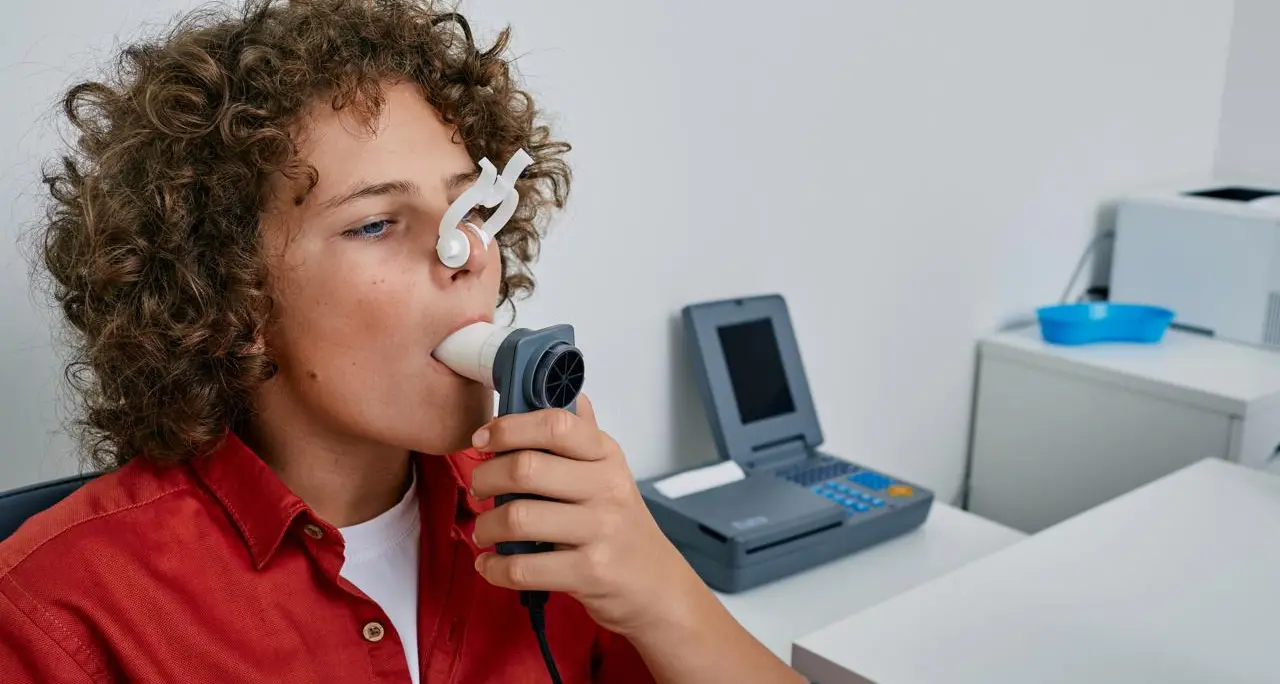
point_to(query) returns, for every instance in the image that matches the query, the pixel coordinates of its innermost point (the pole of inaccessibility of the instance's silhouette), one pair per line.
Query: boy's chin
(443, 445)
(453, 432)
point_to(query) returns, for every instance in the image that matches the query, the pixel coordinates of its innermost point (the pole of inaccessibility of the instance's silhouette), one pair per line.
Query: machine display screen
(755, 370)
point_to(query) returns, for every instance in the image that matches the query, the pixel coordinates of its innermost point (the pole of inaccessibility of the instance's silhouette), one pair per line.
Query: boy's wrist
(694, 638)
(683, 607)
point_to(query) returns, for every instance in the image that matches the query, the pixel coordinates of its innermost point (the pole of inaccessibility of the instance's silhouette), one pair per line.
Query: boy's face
(361, 298)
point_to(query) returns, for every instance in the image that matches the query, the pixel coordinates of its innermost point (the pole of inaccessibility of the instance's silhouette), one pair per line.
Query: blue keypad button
(861, 507)
(871, 480)
(877, 502)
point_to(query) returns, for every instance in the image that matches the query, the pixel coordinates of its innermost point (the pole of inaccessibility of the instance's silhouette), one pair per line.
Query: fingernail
(480, 438)
(479, 562)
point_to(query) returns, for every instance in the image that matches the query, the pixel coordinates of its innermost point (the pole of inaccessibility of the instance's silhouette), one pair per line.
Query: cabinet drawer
(1049, 445)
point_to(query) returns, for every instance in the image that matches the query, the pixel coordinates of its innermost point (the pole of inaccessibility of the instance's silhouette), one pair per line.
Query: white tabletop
(780, 612)
(1216, 374)
(1175, 582)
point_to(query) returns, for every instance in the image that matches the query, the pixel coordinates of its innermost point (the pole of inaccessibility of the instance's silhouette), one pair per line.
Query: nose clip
(490, 190)
(456, 252)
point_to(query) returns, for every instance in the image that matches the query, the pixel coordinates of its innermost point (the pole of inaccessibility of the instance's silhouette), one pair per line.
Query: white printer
(1211, 254)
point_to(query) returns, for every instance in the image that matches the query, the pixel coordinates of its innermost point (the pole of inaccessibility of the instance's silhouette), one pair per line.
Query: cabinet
(1058, 430)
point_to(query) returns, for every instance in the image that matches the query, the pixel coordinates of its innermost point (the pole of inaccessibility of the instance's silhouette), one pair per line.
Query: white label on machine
(700, 479)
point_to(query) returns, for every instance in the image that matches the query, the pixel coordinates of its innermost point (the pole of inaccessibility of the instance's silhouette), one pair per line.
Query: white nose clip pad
(453, 247)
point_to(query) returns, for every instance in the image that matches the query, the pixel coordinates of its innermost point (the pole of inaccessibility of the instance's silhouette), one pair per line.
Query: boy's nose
(478, 259)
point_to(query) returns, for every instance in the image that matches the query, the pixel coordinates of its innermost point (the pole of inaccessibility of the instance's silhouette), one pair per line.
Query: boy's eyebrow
(395, 187)
(398, 187)
(458, 180)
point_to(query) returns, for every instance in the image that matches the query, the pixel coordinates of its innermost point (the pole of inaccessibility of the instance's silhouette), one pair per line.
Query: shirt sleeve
(28, 655)
(618, 662)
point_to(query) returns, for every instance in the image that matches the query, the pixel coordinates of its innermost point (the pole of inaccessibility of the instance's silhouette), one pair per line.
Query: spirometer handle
(513, 548)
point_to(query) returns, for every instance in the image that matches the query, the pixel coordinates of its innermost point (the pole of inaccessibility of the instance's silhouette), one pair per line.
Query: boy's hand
(610, 554)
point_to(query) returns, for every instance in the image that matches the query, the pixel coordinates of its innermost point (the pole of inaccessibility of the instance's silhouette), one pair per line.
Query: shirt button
(313, 531)
(373, 632)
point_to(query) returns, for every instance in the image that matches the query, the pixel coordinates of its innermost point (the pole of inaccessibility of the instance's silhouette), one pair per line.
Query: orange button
(899, 490)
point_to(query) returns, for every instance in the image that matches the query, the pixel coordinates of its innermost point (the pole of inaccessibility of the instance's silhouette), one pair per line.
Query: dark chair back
(19, 504)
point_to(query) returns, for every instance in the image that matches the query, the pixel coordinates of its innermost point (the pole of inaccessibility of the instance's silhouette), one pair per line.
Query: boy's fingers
(555, 430)
(586, 411)
(550, 571)
(534, 520)
(535, 472)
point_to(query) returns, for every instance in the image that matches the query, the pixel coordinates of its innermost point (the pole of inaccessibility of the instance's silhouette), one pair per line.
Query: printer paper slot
(713, 534)
(792, 538)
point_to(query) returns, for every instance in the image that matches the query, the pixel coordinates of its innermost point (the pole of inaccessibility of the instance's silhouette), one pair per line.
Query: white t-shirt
(382, 560)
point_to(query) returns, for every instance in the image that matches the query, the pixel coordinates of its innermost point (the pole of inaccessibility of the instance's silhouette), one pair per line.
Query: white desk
(780, 612)
(1175, 582)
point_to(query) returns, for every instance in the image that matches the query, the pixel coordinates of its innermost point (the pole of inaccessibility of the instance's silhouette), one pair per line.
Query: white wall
(44, 48)
(909, 174)
(1249, 137)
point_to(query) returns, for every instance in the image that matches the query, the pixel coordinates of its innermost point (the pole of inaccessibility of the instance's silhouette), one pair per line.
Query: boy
(244, 244)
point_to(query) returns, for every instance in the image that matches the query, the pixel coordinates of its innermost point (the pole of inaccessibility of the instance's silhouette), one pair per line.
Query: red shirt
(214, 571)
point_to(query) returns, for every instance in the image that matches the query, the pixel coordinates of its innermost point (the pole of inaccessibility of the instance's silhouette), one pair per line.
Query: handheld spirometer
(530, 370)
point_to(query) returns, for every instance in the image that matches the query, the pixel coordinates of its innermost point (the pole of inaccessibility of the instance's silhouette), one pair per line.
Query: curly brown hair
(151, 242)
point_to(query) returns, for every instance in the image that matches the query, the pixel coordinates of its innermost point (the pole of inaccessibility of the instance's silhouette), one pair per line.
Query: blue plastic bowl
(1072, 324)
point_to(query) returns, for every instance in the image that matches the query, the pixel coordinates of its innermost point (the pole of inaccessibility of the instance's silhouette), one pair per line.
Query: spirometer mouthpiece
(529, 369)
(471, 351)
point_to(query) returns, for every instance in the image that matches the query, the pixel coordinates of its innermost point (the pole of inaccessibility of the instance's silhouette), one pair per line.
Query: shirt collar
(456, 469)
(262, 508)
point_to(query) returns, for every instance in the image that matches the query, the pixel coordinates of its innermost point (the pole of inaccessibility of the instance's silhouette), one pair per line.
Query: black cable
(1099, 237)
(534, 601)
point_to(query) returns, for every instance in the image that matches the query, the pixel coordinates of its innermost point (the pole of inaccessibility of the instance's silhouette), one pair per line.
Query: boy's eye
(371, 230)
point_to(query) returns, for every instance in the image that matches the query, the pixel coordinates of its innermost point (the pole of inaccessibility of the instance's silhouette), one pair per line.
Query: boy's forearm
(704, 643)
